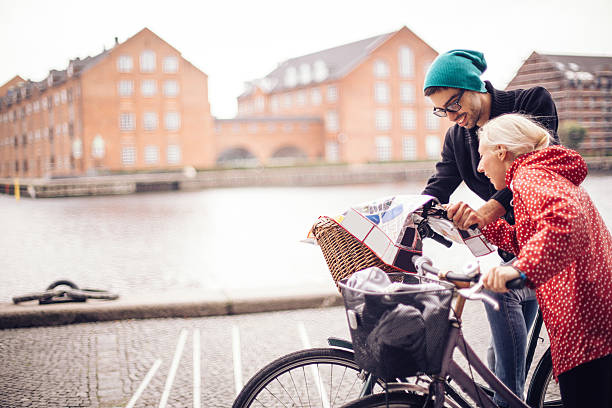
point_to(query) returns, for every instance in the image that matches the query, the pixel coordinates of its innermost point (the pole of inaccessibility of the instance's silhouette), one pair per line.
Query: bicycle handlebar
(424, 263)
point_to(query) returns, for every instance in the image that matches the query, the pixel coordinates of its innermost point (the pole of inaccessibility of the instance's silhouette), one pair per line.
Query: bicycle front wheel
(319, 377)
(543, 389)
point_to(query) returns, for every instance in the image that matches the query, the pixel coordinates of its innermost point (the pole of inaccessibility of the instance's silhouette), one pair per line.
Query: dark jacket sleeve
(446, 178)
(538, 104)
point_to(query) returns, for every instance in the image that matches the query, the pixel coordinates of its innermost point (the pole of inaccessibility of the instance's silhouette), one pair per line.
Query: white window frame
(331, 121)
(148, 88)
(408, 119)
(125, 63)
(173, 154)
(407, 93)
(127, 121)
(332, 93)
(172, 121)
(128, 155)
(147, 61)
(125, 88)
(170, 64)
(332, 151)
(432, 122)
(384, 148)
(409, 148)
(433, 146)
(300, 98)
(381, 68)
(383, 119)
(315, 96)
(381, 93)
(171, 88)
(274, 103)
(151, 154)
(149, 121)
(406, 62)
(287, 100)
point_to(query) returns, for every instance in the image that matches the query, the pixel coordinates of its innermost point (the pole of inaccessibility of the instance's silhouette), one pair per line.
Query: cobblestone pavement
(151, 363)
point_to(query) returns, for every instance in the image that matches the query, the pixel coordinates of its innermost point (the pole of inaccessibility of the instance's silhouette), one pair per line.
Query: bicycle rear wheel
(543, 389)
(396, 399)
(320, 377)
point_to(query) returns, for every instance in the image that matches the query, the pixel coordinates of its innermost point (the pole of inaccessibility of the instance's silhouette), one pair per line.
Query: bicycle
(330, 377)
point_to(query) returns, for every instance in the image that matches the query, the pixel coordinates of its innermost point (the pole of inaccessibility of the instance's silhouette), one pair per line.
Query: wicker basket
(343, 253)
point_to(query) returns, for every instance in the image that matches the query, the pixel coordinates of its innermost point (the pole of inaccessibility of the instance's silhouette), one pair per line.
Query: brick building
(582, 89)
(137, 106)
(359, 102)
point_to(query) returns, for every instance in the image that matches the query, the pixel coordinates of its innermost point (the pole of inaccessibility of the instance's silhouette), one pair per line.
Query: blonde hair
(518, 133)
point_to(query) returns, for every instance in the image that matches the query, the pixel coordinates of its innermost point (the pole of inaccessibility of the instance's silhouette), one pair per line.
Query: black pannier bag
(399, 334)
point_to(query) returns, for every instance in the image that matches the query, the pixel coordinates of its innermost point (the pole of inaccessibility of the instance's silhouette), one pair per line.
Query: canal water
(217, 239)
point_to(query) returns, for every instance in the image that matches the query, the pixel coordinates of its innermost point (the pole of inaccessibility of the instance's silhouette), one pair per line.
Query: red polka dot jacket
(565, 250)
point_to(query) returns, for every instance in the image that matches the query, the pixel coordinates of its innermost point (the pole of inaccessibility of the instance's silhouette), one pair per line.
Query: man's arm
(464, 216)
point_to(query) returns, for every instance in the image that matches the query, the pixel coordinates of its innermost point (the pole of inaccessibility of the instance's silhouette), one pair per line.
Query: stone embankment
(264, 176)
(192, 180)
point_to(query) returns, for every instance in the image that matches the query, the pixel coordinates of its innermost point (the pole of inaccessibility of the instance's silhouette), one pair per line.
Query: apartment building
(137, 106)
(367, 96)
(581, 87)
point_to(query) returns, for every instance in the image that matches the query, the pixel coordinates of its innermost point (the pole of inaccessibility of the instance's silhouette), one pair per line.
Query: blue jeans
(509, 328)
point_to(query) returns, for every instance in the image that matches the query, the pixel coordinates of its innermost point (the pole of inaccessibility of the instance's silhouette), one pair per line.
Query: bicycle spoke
(351, 389)
(296, 390)
(306, 383)
(274, 395)
(286, 392)
(338, 391)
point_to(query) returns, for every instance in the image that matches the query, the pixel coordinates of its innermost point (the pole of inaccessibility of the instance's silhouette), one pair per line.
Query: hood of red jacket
(561, 160)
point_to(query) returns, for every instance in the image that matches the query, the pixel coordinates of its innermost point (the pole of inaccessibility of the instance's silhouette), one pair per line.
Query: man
(456, 91)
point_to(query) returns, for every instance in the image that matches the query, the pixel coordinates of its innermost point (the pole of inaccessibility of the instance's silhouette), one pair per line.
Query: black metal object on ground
(63, 291)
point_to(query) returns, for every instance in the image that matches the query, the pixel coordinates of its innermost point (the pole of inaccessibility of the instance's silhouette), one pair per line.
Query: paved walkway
(178, 362)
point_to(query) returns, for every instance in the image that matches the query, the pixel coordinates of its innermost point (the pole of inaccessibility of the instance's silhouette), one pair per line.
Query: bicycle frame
(465, 382)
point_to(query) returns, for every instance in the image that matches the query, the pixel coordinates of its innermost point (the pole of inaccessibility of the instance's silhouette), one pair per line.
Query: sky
(234, 41)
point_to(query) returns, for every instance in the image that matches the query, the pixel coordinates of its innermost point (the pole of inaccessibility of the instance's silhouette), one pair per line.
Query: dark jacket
(460, 152)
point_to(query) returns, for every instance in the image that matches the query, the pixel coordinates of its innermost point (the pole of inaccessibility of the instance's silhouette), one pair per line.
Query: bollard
(17, 190)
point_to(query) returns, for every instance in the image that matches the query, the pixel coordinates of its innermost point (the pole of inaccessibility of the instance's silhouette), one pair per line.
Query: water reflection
(244, 238)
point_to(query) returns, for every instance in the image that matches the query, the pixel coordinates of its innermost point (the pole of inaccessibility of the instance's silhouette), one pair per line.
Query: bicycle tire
(542, 393)
(396, 399)
(274, 385)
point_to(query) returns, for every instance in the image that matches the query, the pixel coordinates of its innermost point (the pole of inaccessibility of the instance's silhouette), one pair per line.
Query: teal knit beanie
(457, 69)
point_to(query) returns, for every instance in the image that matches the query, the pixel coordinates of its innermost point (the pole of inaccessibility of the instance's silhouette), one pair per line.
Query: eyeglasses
(453, 107)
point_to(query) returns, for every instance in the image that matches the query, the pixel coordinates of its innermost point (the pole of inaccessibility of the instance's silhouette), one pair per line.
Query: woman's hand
(497, 277)
(463, 216)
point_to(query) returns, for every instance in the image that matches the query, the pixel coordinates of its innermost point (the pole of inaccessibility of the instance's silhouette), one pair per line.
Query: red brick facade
(367, 94)
(582, 89)
(137, 106)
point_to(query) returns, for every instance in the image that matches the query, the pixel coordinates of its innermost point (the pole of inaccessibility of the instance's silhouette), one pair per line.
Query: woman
(563, 249)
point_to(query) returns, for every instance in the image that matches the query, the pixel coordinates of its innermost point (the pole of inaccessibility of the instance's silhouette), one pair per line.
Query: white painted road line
(237, 359)
(175, 362)
(196, 368)
(144, 383)
(314, 369)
